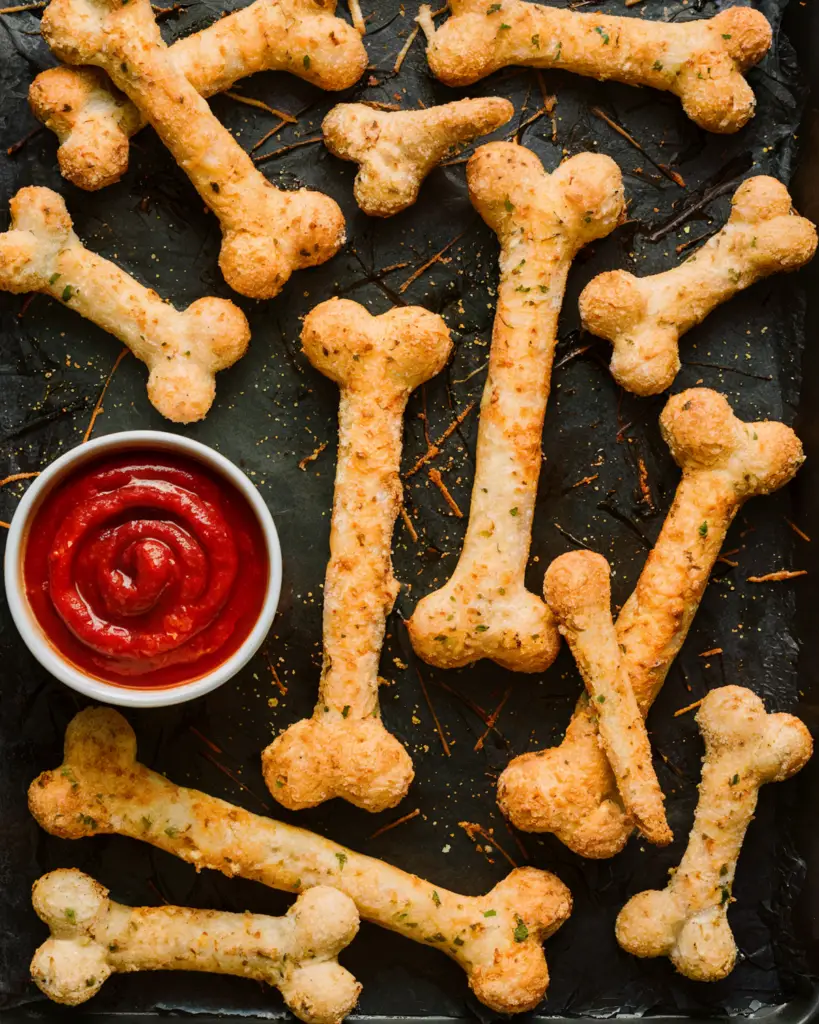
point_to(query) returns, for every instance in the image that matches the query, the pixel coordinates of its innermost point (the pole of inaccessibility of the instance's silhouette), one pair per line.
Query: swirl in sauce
(146, 569)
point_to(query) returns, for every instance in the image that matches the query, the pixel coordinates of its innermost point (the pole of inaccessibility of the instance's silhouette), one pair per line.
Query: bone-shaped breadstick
(496, 938)
(92, 937)
(344, 749)
(183, 350)
(569, 789)
(702, 62)
(398, 149)
(93, 121)
(644, 317)
(578, 590)
(688, 920)
(266, 233)
(542, 220)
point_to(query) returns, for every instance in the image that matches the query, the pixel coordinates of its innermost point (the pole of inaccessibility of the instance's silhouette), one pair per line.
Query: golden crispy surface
(496, 938)
(541, 221)
(183, 350)
(688, 920)
(266, 233)
(94, 121)
(644, 317)
(577, 588)
(344, 749)
(702, 62)
(396, 150)
(569, 789)
(92, 937)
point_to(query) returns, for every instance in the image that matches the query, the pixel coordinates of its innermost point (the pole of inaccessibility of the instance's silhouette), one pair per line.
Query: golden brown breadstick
(578, 590)
(644, 317)
(92, 937)
(541, 220)
(183, 350)
(266, 233)
(398, 149)
(702, 62)
(496, 938)
(688, 920)
(344, 749)
(94, 122)
(569, 789)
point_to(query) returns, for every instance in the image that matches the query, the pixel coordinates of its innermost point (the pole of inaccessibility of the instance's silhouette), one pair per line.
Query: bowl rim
(33, 634)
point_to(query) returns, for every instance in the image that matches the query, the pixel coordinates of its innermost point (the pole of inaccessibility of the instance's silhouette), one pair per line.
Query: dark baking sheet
(273, 409)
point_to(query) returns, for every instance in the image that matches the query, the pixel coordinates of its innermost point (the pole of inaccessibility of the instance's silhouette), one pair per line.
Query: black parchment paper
(272, 410)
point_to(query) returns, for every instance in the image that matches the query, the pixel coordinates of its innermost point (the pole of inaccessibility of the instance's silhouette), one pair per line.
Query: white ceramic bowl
(31, 631)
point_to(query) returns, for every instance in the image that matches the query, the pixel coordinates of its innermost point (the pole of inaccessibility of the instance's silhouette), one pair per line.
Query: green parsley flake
(521, 932)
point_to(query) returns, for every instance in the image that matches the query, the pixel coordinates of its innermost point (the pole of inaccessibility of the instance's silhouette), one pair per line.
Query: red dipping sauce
(145, 569)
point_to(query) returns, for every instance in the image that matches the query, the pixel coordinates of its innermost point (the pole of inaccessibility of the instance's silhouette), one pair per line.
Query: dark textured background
(273, 409)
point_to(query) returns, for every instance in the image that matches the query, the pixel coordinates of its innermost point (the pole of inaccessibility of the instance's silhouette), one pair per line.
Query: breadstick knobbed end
(182, 385)
(397, 150)
(463, 49)
(72, 40)
(539, 903)
(746, 35)
(577, 582)
(702, 432)
(97, 740)
(732, 715)
(646, 926)
(40, 226)
(310, 230)
(592, 186)
(342, 340)
(721, 100)
(337, 57)
(781, 239)
(326, 920)
(92, 124)
(503, 177)
(523, 638)
(654, 923)
(705, 948)
(558, 790)
(321, 991)
(700, 428)
(69, 967)
(356, 759)
(645, 358)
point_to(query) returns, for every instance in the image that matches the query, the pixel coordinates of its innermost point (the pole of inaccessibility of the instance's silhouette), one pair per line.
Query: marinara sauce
(146, 569)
